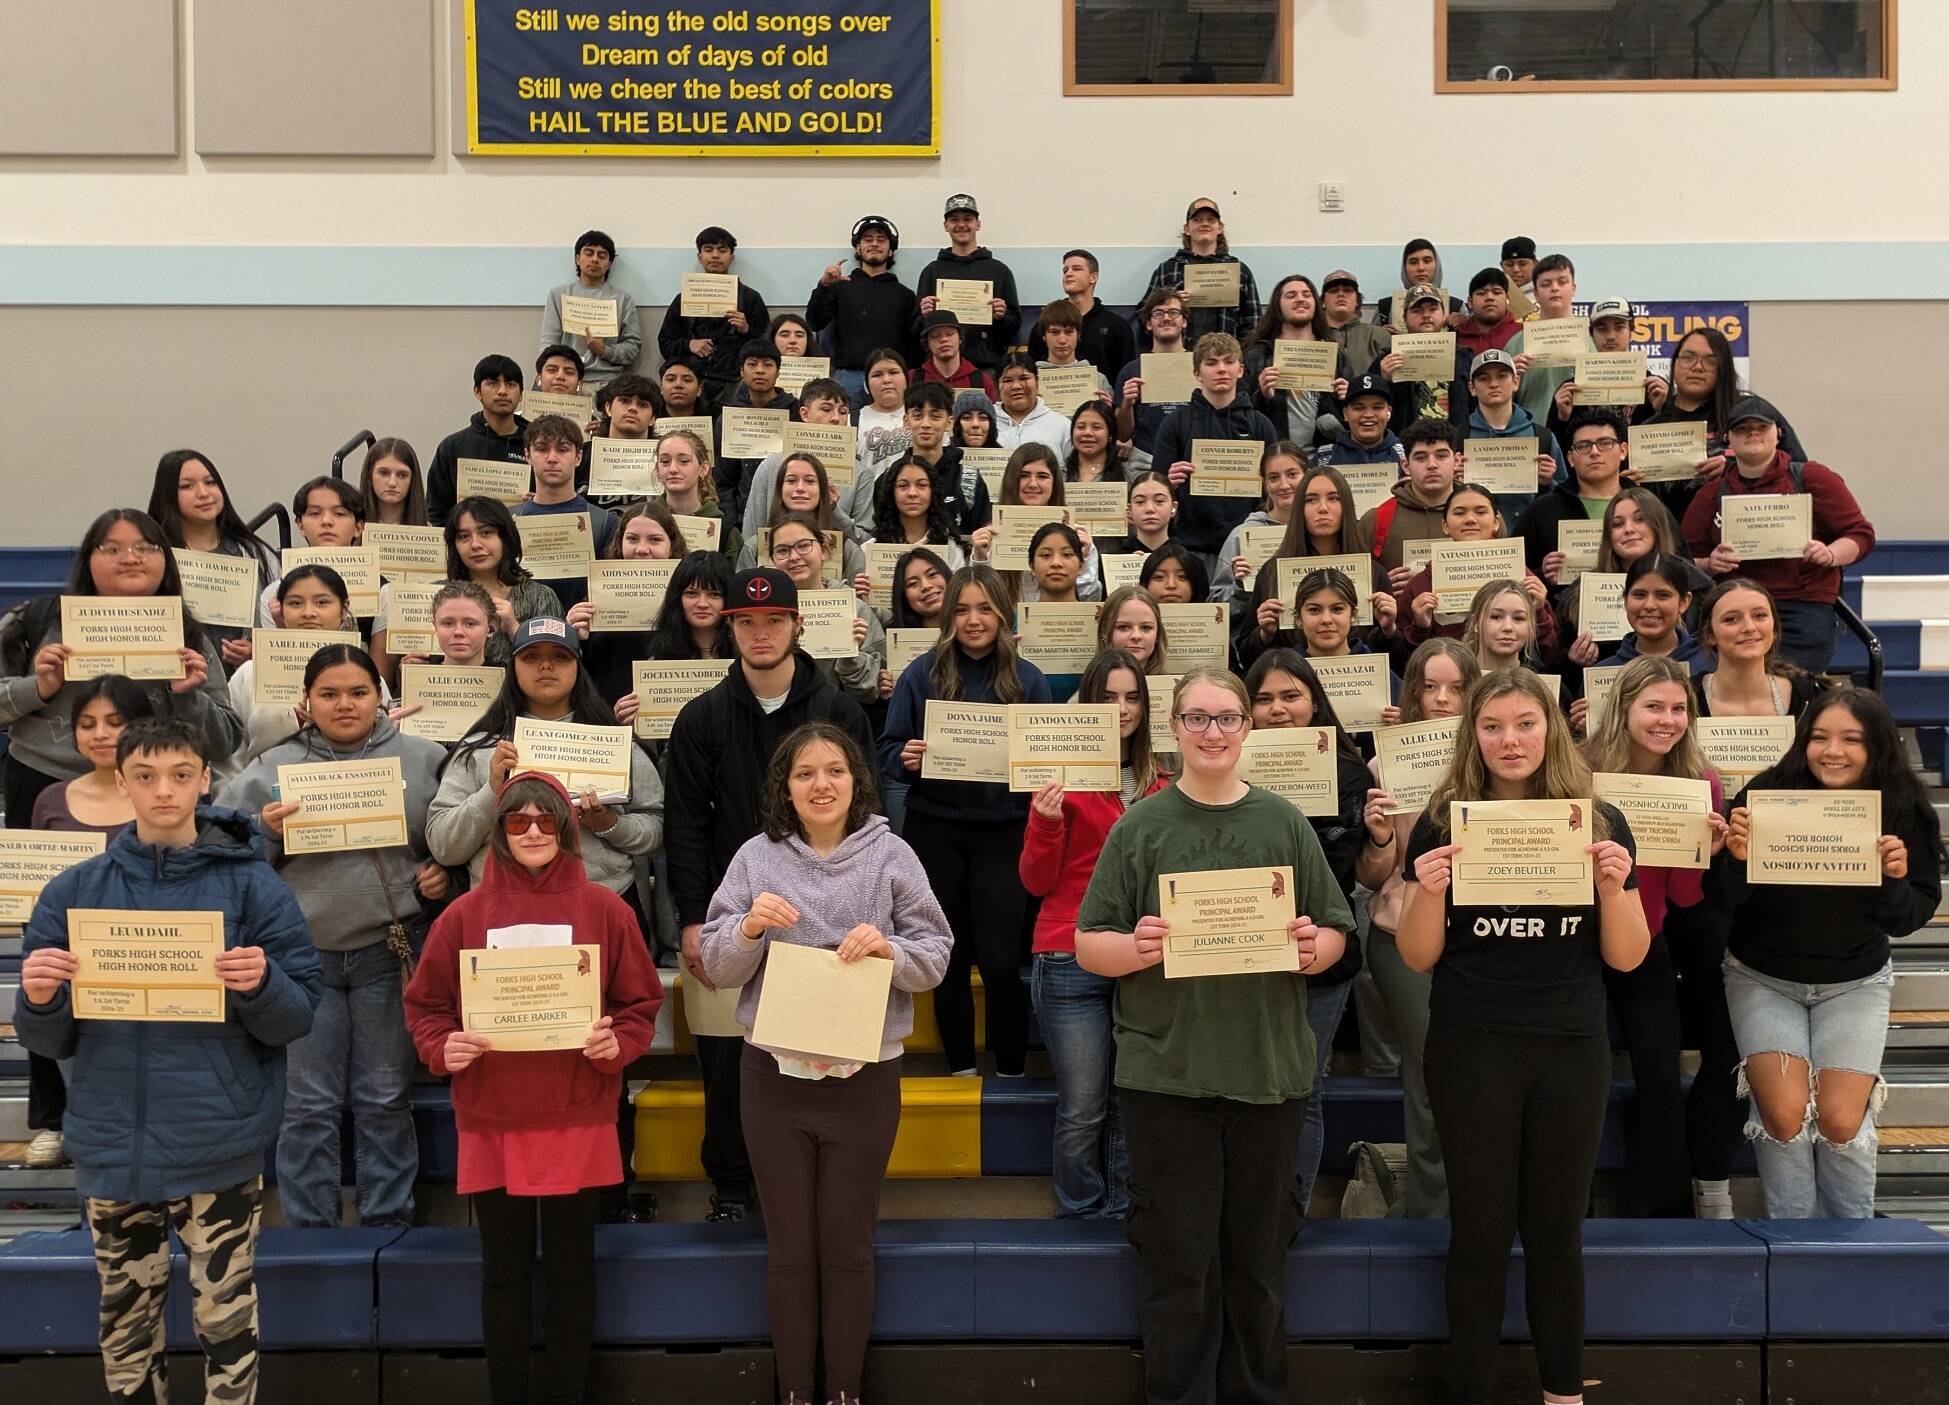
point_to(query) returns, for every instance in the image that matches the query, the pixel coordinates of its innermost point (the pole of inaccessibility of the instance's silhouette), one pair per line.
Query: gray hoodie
(1224, 585)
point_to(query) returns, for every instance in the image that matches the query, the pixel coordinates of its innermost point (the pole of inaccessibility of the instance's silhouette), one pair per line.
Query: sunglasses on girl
(520, 822)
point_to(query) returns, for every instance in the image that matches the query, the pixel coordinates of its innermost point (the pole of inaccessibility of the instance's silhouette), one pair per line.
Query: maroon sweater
(1836, 517)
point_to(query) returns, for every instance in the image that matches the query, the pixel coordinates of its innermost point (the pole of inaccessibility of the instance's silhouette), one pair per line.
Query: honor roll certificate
(525, 998)
(1556, 341)
(30, 859)
(502, 480)
(1300, 764)
(814, 1003)
(1414, 756)
(1817, 838)
(343, 805)
(1306, 365)
(1532, 853)
(278, 658)
(146, 965)
(1739, 748)
(1426, 356)
(1613, 378)
(1226, 468)
(218, 588)
(1502, 465)
(580, 757)
(408, 551)
(451, 698)
(1357, 685)
(137, 636)
(1667, 453)
(623, 468)
(1063, 388)
(708, 294)
(1670, 818)
(589, 317)
(663, 687)
(1198, 634)
(1767, 526)
(1458, 569)
(966, 742)
(1211, 284)
(628, 595)
(556, 546)
(1076, 744)
(357, 566)
(1227, 922)
(409, 616)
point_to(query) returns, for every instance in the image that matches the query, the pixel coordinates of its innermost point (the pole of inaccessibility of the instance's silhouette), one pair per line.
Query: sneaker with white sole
(46, 1151)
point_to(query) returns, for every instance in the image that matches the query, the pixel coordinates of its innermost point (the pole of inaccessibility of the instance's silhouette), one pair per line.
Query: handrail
(364, 436)
(282, 515)
(1870, 641)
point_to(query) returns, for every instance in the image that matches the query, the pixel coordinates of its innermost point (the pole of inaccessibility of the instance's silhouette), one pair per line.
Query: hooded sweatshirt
(476, 441)
(161, 1110)
(984, 346)
(1041, 425)
(872, 877)
(341, 892)
(1407, 519)
(1836, 516)
(1204, 522)
(866, 311)
(1520, 426)
(1224, 585)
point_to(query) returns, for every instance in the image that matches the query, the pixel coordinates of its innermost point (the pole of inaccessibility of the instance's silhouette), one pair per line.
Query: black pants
(1646, 1001)
(507, 1271)
(726, 1162)
(1519, 1119)
(1715, 1115)
(20, 786)
(47, 1095)
(1214, 1206)
(972, 869)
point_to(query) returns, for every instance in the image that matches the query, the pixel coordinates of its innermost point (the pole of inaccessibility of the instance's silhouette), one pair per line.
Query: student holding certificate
(645, 531)
(1705, 386)
(908, 512)
(1657, 598)
(483, 546)
(1469, 515)
(683, 467)
(1808, 975)
(1323, 607)
(692, 624)
(1034, 478)
(308, 598)
(192, 506)
(537, 1128)
(1094, 453)
(604, 354)
(1635, 526)
(1219, 409)
(1292, 314)
(1281, 470)
(1519, 1065)
(798, 548)
(828, 874)
(803, 488)
(362, 905)
(1212, 1072)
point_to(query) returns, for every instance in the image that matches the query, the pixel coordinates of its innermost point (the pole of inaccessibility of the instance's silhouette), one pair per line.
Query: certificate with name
(146, 965)
(1357, 567)
(813, 1004)
(503, 480)
(1228, 922)
(1058, 637)
(409, 616)
(451, 698)
(1579, 542)
(882, 562)
(1667, 453)
(407, 551)
(1162, 687)
(1670, 817)
(1611, 378)
(1815, 838)
(628, 595)
(1014, 529)
(1226, 468)
(906, 645)
(277, 663)
(1370, 483)
(1766, 526)
(708, 295)
(1552, 342)
(1357, 685)
(1063, 388)
(623, 468)
(1600, 606)
(530, 998)
(30, 859)
(1413, 757)
(1418, 554)
(1531, 853)
(795, 371)
(357, 566)
(1213, 284)
(965, 742)
(137, 636)
(989, 465)
(577, 409)
(343, 805)
(1425, 356)
(1258, 545)
(1098, 506)
(556, 546)
(219, 588)
(971, 300)
(580, 756)
(827, 617)
(751, 434)
(1459, 569)
(663, 686)
(1306, 365)
(1299, 763)
(700, 425)
(1502, 465)
(833, 445)
(1739, 748)
(1121, 568)
(1199, 633)
(1077, 744)
(1167, 377)
(700, 533)
(590, 317)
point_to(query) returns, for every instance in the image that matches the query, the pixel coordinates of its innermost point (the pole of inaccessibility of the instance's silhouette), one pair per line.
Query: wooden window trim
(1282, 87)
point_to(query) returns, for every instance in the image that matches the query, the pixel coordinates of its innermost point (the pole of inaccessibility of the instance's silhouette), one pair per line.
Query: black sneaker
(724, 1208)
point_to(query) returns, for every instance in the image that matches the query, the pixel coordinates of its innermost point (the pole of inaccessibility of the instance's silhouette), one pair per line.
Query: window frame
(1282, 87)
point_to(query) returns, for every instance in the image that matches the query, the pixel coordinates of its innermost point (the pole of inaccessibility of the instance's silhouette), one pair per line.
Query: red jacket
(1836, 517)
(1470, 336)
(1058, 857)
(1659, 889)
(967, 376)
(1424, 581)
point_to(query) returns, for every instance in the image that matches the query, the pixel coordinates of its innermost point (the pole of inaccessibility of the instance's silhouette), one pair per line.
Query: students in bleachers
(1493, 380)
(554, 448)
(715, 341)
(1106, 341)
(1556, 290)
(1202, 241)
(1597, 447)
(867, 308)
(1062, 331)
(391, 485)
(1705, 386)
(757, 389)
(1034, 478)
(1657, 599)
(1469, 515)
(1280, 471)
(1021, 416)
(1293, 313)
(645, 531)
(1432, 466)
(192, 506)
(798, 548)
(683, 466)
(1161, 318)
(1320, 521)
(801, 488)
(493, 433)
(822, 401)
(907, 510)
(1420, 267)
(602, 356)
(1444, 398)
(309, 597)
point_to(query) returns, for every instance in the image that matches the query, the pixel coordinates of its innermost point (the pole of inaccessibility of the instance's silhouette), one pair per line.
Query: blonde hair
(1215, 677)
(1479, 607)
(707, 480)
(1563, 774)
(1215, 346)
(1106, 623)
(1415, 676)
(1610, 748)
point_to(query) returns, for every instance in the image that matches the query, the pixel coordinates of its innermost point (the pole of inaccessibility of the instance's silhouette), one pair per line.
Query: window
(1661, 45)
(1139, 48)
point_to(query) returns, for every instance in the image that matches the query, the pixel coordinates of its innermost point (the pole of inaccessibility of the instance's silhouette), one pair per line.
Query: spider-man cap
(766, 588)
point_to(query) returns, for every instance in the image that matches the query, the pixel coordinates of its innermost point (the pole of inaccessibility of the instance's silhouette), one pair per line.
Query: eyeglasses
(1693, 359)
(1167, 314)
(141, 551)
(1596, 446)
(781, 550)
(1228, 723)
(520, 823)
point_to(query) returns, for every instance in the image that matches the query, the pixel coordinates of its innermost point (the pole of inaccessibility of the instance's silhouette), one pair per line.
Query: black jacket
(720, 369)
(1107, 342)
(733, 476)
(720, 746)
(476, 441)
(866, 311)
(1204, 523)
(984, 346)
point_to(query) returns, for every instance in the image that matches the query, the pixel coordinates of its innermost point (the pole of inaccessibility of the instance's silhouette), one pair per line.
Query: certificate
(1077, 744)
(795, 371)
(578, 410)
(1552, 342)
(1370, 483)
(1459, 569)
(700, 533)
(1425, 356)
(1502, 465)
(1099, 506)
(1356, 567)
(1739, 748)
(751, 434)
(710, 1012)
(1611, 378)
(812, 1003)
(833, 445)
(1257, 545)
(1414, 756)
(965, 742)
(1167, 377)
(556, 546)
(1063, 388)
(700, 425)
(1306, 365)
(1667, 453)
(971, 300)
(708, 295)
(906, 645)
(451, 698)
(277, 663)
(1766, 526)
(1579, 542)
(1600, 606)
(499, 479)
(407, 551)
(1211, 284)
(1228, 922)
(580, 757)
(343, 805)
(623, 468)
(628, 595)
(664, 686)
(1357, 685)
(146, 965)
(219, 588)
(827, 617)
(1058, 638)
(1815, 838)
(137, 636)
(1162, 688)
(409, 616)
(32, 858)
(1299, 763)
(1418, 555)
(1121, 568)
(1015, 528)
(1670, 817)
(882, 563)
(1199, 632)
(527, 998)
(990, 464)
(1226, 468)
(590, 317)
(1522, 853)
(357, 566)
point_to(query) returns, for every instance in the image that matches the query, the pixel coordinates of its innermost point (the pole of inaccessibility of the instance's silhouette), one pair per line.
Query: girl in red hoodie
(1065, 834)
(537, 1129)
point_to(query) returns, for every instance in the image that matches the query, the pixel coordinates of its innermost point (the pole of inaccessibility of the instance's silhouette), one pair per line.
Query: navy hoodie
(984, 346)
(1204, 523)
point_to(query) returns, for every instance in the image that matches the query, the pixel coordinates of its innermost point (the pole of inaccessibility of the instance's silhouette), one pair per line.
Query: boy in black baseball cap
(1203, 242)
(966, 260)
(713, 342)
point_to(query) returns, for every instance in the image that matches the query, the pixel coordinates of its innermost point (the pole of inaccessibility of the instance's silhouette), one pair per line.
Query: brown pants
(819, 1150)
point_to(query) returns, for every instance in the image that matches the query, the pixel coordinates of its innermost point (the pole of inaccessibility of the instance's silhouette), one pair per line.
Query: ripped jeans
(1841, 1026)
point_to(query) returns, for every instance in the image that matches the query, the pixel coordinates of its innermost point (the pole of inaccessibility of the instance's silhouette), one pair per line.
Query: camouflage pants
(219, 1233)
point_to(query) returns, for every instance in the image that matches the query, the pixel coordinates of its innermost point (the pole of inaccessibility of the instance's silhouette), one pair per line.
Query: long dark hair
(1095, 687)
(414, 512)
(1114, 462)
(585, 705)
(887, 526)
(1193, 568)
(903, 616)
(779, 818)
(671, 637)
(1725, 390)
(128, 697)
(162, 505)
(653, 509)
(81, 579)
(486, 512)
(1267, 327)
(1905, 807)
(1288, 661)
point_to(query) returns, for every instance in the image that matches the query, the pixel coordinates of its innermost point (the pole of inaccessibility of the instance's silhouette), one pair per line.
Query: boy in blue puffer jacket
(168, 1120)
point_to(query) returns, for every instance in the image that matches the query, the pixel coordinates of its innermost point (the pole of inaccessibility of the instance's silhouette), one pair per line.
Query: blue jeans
(854, 383)
(893, 803)
(1841, 1026)
(357, 1054)
(1807, 633)
(1324, 1006)
(1092, 1166)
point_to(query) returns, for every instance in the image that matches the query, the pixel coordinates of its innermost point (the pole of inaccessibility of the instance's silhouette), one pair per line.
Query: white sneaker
(1712, 1200)
(46, 1151)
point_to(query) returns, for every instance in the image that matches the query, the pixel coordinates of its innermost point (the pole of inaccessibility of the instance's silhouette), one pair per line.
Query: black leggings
(1519, 1119)
(1715, 1115)
(507, 1271)
(971, 866)
(1646, 1001)
(47, 1095)
(20, 786)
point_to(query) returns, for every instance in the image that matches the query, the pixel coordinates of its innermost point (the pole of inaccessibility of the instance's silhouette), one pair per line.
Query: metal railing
(278, 513)
(364, 436)
(1870, 641)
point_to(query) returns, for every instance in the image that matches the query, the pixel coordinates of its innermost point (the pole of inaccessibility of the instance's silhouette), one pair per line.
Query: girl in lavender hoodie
(826, 872)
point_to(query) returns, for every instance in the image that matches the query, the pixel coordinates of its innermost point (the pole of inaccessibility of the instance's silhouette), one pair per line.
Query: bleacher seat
(49, 1293)
(1857, 1280)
